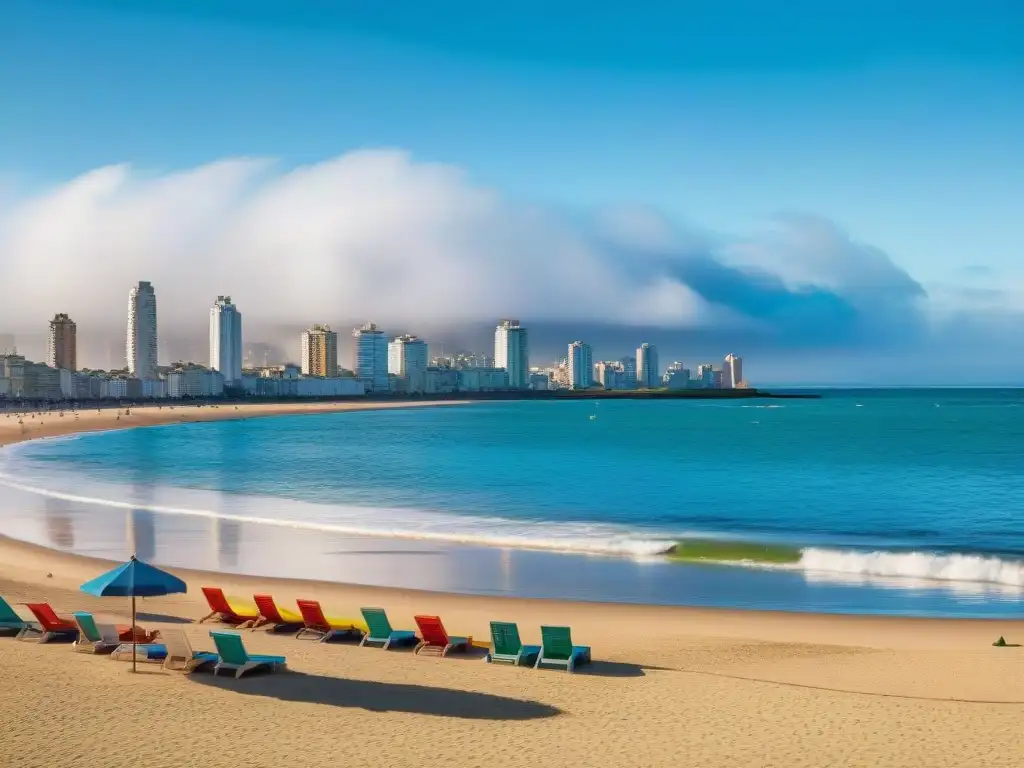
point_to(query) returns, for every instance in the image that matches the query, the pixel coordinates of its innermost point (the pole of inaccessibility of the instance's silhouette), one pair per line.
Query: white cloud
(370, 234)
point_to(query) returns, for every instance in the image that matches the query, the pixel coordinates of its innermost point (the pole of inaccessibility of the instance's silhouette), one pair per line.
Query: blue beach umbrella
(134, 579)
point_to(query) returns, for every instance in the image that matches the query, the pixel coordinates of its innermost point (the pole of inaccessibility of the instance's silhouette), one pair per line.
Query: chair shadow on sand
(615, 669)
(381, 697)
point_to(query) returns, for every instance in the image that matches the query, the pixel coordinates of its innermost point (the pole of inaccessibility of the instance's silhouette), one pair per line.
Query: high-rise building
(407, 357)
(706, 374)
(628, 380)
(62, 350)
(677, 376)
(581, 365)
(371, 357)
(512, 352)
(226, 340)
(142, 358)
(647, 371)
(732, 372)
(610, 374)
(320, 351)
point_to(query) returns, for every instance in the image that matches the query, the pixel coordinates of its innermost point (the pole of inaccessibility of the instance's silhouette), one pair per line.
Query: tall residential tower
(732, 372)
(581, 365)
(320, 351)
(647, 371)
(141, 348)
(371, 357)
(226, 340)
(62, 351)
(407, 358)
(512, 352)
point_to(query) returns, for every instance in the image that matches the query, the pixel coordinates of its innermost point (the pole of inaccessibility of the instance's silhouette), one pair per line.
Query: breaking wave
(929, 566)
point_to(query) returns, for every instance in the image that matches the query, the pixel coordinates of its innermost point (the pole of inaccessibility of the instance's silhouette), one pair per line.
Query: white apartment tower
(647, 367)
(732, 372)
(581, 365)
(371, 357)
(226, 340)
(512, 352)
(320, 351)
(142, 361)
(407, 357)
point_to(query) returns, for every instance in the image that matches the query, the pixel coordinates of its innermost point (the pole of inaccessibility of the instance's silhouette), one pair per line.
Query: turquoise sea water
(926, 486)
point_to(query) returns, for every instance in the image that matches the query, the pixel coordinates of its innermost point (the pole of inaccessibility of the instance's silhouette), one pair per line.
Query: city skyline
(382, 363)
(375, 354)
(399, 367)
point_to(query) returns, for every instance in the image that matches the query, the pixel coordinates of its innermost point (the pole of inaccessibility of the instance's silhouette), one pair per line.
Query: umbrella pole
(135, 636)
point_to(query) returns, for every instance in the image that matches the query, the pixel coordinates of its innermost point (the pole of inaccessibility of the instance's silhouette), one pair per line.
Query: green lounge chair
(557, 648)
(507, 647)
(9, 620)
(234, 657)
(380, 631)
(93, 637)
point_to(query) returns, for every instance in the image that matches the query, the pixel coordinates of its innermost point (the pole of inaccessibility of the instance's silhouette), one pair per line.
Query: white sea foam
(928, 566)
(819, 563)
(356, 520)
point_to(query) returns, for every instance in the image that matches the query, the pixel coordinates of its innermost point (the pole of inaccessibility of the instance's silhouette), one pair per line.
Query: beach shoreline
(749, 688)
(20, 426)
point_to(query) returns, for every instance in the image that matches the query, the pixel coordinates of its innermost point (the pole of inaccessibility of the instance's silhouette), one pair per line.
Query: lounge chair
(380, 631)
(100, 638)
(557, 648)
(10, 621)
(93, 637)
(179, 656)
(507, 647)
(436, 638)
(228, 610)
(281, 618)
(145, 652)
(51, 626)
(325, 627)
(233, 656)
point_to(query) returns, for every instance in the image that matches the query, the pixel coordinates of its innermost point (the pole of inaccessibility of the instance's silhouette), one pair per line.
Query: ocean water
(901, 490)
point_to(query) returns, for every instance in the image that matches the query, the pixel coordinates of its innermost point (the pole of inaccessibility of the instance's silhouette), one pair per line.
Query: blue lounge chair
(234, 657)
(557, 648)
(379, 630)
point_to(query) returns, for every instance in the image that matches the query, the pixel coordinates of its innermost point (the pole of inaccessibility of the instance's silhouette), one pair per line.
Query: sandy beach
(30, 425)
(669, 686)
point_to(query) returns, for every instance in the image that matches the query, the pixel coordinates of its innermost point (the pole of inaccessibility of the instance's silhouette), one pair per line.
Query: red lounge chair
(434, 636)
(50, 624)
(227, 611)
(280, 618)
(325, 627)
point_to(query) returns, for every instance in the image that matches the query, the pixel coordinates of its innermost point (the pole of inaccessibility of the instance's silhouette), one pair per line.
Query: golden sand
(15, 427)
(669, 686)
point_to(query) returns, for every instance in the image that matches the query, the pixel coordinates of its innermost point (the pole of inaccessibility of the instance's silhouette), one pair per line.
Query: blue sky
(901, 122)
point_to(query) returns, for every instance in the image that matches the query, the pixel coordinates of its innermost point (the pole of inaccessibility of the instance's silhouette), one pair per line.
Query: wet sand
(669, 686)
